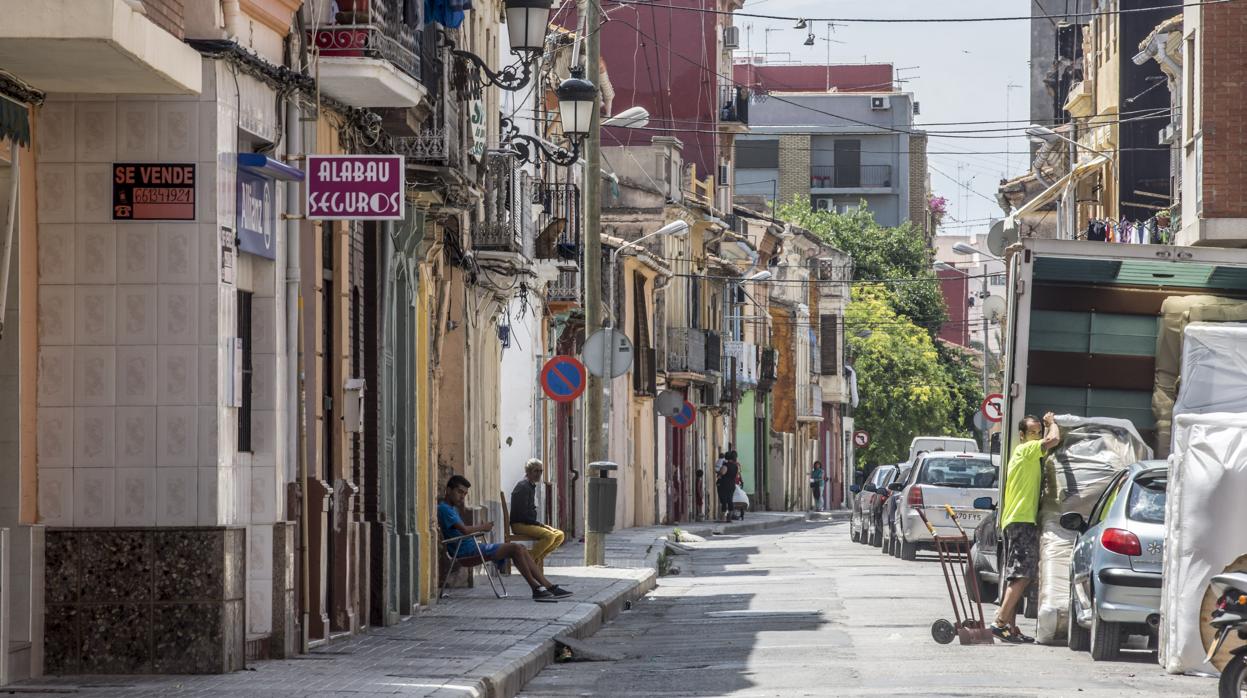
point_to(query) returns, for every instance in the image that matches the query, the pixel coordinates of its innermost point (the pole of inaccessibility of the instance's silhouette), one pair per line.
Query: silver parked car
(937, 479)
(1115, 572)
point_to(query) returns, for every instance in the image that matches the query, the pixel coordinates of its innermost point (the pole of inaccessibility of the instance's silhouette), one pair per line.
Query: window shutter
(829, 327)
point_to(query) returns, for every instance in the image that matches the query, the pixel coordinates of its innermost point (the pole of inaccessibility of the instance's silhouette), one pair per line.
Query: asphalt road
(802, 611)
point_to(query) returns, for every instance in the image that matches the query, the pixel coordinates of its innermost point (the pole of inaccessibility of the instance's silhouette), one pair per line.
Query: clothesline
(1156, 230)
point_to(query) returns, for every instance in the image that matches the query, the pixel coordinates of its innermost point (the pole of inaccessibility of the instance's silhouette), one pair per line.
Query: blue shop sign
(257, 202)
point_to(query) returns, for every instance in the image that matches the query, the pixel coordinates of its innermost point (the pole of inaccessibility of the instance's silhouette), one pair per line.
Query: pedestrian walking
(729, 469)
(816, 484)
(524, 521)
(1019, 507)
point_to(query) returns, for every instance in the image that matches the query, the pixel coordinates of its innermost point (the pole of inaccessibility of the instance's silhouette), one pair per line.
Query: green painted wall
(745, 442)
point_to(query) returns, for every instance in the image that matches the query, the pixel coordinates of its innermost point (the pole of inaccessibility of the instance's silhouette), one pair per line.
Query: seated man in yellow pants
(524, 513)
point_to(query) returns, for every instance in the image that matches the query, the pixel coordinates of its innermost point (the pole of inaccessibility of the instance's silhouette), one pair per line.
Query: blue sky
(958, 72)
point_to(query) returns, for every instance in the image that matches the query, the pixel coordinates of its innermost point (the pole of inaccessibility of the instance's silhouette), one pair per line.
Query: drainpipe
(296, 445)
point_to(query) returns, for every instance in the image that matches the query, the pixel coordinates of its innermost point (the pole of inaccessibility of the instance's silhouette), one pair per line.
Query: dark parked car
(985, 551)
(868, 503)
(888, 511)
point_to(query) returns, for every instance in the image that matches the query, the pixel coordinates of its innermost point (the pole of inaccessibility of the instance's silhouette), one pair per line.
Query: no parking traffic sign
(563, 378)
(993, 407)
(685, 417)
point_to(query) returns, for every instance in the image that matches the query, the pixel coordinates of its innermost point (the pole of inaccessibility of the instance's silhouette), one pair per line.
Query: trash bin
(603, 490)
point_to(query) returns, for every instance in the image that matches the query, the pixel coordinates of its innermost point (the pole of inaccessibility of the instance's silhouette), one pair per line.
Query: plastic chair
(467, 562)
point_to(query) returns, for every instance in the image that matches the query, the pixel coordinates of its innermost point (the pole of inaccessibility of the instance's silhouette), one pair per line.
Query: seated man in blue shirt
(452, 526)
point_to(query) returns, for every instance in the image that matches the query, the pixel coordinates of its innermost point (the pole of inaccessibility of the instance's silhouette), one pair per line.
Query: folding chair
(491, 570)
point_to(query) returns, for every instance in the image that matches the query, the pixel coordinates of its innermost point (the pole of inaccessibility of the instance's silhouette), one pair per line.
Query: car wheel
(976, 585)
(886, 548)
(896, 547)
(1105, 638)
(1077, 637)
(909, 551)
(876, 536)
(1234, 678)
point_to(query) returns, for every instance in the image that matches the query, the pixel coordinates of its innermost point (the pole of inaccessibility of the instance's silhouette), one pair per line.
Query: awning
(268, 167)
(1052, 192)
(14, 122)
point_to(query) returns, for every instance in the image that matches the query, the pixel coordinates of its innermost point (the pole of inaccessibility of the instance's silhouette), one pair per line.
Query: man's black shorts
(1021, 551)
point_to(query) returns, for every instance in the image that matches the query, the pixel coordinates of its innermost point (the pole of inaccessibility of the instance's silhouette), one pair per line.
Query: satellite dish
(997, 239)
(669, 403)
(994, 308)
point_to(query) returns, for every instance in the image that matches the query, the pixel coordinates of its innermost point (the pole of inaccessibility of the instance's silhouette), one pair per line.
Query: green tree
(904, 388)
(965, 387)
(896, 257)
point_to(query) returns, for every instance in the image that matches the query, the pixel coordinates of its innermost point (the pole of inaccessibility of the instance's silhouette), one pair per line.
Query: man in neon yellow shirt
(1019, 515)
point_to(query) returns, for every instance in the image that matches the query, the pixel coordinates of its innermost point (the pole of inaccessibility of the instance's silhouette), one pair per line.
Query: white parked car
(938, 479)
(952, 444)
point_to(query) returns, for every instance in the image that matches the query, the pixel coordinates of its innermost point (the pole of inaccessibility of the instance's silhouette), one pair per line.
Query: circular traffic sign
(669, 403)
(993, 407)
(607, 353)
(563, 378)
(685, 417)
(861, 439)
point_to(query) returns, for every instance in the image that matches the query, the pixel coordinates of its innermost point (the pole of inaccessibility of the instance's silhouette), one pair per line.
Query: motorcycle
(1230, 615)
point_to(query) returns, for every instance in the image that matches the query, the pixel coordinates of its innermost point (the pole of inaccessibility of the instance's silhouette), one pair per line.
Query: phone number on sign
(164, 196)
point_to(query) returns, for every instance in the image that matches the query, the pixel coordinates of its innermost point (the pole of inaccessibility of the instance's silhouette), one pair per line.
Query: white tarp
(1204, 523)
(1075, 474)
(1214, 369)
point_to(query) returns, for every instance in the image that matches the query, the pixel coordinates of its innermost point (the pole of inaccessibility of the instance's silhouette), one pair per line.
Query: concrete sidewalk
(471, 644)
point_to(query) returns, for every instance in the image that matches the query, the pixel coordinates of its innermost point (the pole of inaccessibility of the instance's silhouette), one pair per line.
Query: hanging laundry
(448, 13)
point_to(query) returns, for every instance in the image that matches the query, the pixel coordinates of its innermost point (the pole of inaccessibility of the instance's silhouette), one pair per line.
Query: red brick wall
(1224, 113)
(956, 290)
(169, 15)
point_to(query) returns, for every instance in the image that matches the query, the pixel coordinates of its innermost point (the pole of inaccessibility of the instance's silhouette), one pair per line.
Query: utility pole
(596, 445)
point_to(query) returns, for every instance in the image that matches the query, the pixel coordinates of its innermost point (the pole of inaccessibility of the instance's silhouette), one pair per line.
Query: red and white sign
(993, 408)
(861, 439)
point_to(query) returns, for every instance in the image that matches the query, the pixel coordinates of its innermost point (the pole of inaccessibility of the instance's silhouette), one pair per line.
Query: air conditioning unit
(711, 395)
(880, 103)
(731, 37)
(917, 109)
(825, 204)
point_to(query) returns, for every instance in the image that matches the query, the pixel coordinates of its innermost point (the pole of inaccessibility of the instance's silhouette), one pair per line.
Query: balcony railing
(440, 141)
(734, 104)
(809, 402)
(746, 356)
(370, 54)
(367, 41)
(686, 350)
(860, 177)
(508, 222)
(714, 352)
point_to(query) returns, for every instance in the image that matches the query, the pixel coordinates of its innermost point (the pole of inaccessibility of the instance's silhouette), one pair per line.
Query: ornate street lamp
(527, 22)
(577, 100)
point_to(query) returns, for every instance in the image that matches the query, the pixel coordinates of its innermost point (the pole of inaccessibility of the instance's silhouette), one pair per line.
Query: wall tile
(177, 441)
(56, 315)
(56, 253)
(264, 381)
(209, 315)
(56, 376)
(176, 496)
(259, 604)
(264, 325)
(264, 494)
(56, 496)
(240, 508)
(260, 552)
(137, 314)
(209, 377)
(136, 253)
(55, 437)
(94, 491)
(179, 253)
(94, 190)
(208, 132)
(56, 187)
(178, 313)
(208, 436)
(56, 133)
(264, 434)
(95, 434)
(264, 277)
(136, 497)
(136, 436)
(207, 496)
(95, 315)
(96, 131)
(177, 380)
(95, 376)
(96, 254)
(179, 125)
(136, 375)
(136, 131)
(221, 194)
(209, 253)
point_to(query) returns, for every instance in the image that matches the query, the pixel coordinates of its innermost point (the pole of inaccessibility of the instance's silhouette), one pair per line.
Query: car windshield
(958, 472)
(1147, 499)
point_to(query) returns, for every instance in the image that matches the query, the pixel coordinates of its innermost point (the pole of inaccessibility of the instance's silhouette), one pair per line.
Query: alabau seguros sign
(355, 187)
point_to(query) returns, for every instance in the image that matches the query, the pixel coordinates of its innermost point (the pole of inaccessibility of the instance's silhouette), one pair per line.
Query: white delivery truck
(1084, 319)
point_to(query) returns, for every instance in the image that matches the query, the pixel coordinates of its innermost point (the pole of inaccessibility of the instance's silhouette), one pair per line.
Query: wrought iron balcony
(441, 140)
(745, 355)
(733, 104)
(855, 177)
(768, 369)
(686, 350)
(559, 222)
(809, 402)
(369, 57)
(508, 222)
(714, 352)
